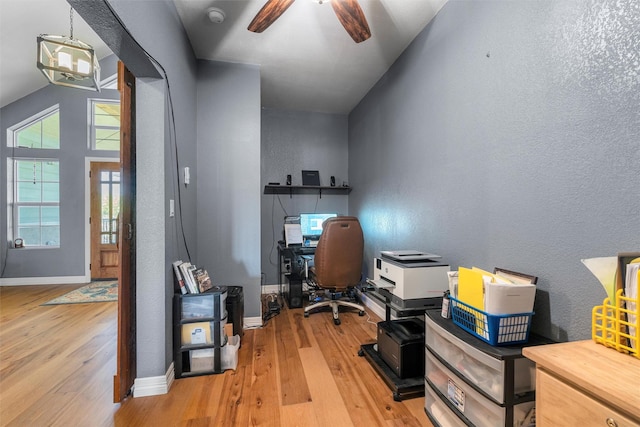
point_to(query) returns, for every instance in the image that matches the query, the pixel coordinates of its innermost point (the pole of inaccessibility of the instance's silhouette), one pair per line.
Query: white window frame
(13, 225)
(92, 126)
(28, 154)
(12, 132)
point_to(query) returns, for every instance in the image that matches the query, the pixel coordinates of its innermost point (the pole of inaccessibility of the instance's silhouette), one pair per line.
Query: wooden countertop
(602, 372)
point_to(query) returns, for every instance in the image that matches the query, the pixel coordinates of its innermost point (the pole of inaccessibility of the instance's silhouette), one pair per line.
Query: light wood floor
(57, 365)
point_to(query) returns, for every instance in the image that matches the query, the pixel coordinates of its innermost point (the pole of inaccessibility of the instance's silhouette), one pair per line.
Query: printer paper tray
(381, 284)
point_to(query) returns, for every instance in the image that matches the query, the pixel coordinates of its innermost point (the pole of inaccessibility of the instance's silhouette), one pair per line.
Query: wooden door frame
(87, 209)
(126, 362)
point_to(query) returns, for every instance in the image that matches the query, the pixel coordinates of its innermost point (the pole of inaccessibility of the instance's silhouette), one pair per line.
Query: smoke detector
(215, 15)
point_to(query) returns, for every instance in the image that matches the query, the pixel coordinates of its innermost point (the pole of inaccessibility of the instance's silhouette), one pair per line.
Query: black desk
(291, 272)
(402, 388)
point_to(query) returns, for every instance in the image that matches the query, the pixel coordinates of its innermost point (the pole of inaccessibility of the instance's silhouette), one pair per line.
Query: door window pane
(109, 206)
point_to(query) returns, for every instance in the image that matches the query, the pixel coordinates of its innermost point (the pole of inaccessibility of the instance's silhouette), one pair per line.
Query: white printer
(410, 275)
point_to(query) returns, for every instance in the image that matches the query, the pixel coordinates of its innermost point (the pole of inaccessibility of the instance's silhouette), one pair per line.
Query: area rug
(100, 291)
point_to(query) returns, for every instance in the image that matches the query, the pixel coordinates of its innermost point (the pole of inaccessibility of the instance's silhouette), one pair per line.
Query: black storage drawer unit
(401, 346)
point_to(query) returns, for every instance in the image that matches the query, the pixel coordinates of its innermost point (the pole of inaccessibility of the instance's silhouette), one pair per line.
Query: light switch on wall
(187, 176)
(172, 208)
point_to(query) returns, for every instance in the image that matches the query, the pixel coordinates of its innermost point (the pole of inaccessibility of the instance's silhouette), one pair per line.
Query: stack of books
(191, 279)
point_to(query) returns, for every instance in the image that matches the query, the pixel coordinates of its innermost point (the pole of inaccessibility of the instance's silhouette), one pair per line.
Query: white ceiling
(21, 21)
(307, 60)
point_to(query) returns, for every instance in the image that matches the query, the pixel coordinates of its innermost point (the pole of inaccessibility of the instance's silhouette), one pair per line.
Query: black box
(401, 346)
(235, 309)
(293, 292)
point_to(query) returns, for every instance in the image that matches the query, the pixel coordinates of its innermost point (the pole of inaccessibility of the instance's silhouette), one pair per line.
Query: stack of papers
(502, 292)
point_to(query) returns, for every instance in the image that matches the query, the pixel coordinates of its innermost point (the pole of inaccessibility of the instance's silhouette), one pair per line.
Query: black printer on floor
(401, 346)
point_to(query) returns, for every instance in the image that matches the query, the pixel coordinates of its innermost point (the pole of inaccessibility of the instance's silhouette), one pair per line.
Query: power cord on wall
(172, 131)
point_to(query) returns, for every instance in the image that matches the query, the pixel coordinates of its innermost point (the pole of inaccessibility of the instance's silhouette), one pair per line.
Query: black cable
(172, 131)
(281, 205)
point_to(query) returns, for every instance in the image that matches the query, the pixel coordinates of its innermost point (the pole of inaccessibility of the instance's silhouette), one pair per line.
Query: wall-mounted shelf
(304, 189)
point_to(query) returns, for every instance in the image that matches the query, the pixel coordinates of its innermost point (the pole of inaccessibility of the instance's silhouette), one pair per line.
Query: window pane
(29, 170)
(51, 131)
(104, 176)
(51, 236)
(42, 132)
(115, 201)
(29, 192)
(105, 206)
(107, 139)
(28, 216)
(31, 136)
(50, 193)
(108, 120)
(107, 114)
(50, 215)
(51, 171)
(116, 177)
(104, 239)
(30, 235)
(37, 191)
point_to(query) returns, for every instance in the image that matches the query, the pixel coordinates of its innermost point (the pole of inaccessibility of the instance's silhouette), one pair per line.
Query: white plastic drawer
(439, 410)
(202, 333)
(202, 306)
(477, 367)
(479, 410)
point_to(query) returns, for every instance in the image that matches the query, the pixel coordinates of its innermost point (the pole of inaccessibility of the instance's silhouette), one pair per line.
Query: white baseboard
(153, 386)
(271, 289)
(252, 322)
(61, 280)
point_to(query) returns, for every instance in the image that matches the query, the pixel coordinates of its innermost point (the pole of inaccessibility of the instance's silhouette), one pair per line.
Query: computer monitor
(311, 223)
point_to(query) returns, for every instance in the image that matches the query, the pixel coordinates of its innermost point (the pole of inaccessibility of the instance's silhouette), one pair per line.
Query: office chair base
(334, 304)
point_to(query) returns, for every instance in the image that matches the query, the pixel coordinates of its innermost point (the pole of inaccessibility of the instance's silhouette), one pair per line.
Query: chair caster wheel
(306, 314)
(361, 313)
(360, 353)
(336, 321)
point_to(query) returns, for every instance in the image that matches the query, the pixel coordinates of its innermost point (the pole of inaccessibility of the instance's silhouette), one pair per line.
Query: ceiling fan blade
(268, 14)
(352, 19)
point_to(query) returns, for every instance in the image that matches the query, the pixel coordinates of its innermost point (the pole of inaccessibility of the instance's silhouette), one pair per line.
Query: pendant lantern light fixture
(67, 61)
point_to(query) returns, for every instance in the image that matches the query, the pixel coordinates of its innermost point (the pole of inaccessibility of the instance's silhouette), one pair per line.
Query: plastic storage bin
(495, 329)
(201, 360)
(477, 367)
(229, 353)
(438, 412)
(196, 306)
(199, 332)
(477, 409)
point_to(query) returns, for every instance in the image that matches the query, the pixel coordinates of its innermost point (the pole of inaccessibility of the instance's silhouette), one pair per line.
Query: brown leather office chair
(337, 262)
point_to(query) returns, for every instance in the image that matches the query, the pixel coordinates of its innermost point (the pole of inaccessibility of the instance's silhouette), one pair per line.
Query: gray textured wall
(69, 258)
(508, 134)
(159, 137)
(293, 141)
(228, 180)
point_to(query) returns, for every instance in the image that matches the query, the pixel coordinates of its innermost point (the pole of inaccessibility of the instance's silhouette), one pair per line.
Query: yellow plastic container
(617, 325)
